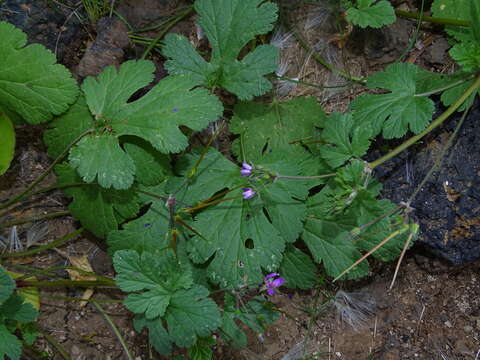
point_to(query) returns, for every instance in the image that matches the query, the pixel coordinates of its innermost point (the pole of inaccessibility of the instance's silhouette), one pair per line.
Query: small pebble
(448, 324)
(468, 328)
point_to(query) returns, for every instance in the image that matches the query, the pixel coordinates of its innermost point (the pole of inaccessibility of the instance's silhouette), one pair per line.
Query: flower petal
(271, 275)
(277, 282)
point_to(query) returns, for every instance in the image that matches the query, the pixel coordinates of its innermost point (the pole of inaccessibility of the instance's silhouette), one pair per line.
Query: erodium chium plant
(202, 239)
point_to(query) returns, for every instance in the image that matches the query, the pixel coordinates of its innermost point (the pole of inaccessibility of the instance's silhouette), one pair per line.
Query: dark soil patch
(431, 313)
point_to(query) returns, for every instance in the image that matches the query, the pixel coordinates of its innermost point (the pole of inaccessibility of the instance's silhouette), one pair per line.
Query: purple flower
(248, 193)
(246, 169)
(272, 281)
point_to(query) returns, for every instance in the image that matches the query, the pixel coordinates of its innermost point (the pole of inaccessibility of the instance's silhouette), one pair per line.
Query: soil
(433, 309)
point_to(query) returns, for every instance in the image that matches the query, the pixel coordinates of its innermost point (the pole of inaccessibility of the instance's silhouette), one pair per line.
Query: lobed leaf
(98, 209)
(370, 13)
(31, 84)
(467, 55)
(273, 127)
(155, 117)
(347, 139)
(9, 344)
(243, 237)
(298, 269)
(399, 110)
(229, 25)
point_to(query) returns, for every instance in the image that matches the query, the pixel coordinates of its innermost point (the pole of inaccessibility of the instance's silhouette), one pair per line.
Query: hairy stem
(438, 121)
(306, 177)
(35, 218)
(54, 343)
(66, 283)
(44, 175)
(115, 330)
(171, 24)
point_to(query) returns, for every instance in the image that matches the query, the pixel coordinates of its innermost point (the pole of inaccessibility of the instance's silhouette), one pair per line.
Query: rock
(140, 13)
(436, 53)
(107, 49)
(380, 46)
(447, 205)
(468, 328)
(46, 23)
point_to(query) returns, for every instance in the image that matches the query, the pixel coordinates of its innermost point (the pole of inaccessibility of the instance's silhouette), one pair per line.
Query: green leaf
(155, 117)
(169, 292)
(29, 333)
(397, 111)
(348, 140)
(257, 314)
(191, 314)
(298, 269)
(152, 303)
(345, 218)
(272, 127)
(7, 139)
(379, 230)
(371, 13)
(457, 10)
(467, 55)
(243, 237)
(185, 60)
(102, 159)
(157, 335)
(147, 233)
(229, 25)
(150, 271)
(451, 95)
(7, 285)
(245, 78)
(15, 308)
(151, 166)
(325, 238)
(202, 350)
(69, 126)
(98, 209)
(475, 19)
(31, 84)
(9, 344)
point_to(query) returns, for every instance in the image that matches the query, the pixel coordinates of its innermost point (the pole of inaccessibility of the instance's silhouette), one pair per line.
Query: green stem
(172, 23)
(68, 283)
(452, 85)
(44, 175)
(35, 218)
(115, 330)
(51, 271)
(69, 298)
(435, 20)
(48, 246)
(438, 121)
(54, 343)
(310, 84)
(305, 177)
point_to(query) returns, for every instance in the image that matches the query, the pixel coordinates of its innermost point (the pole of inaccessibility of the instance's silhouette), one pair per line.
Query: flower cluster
(246, 169)
(247, 192)
(272, 281)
